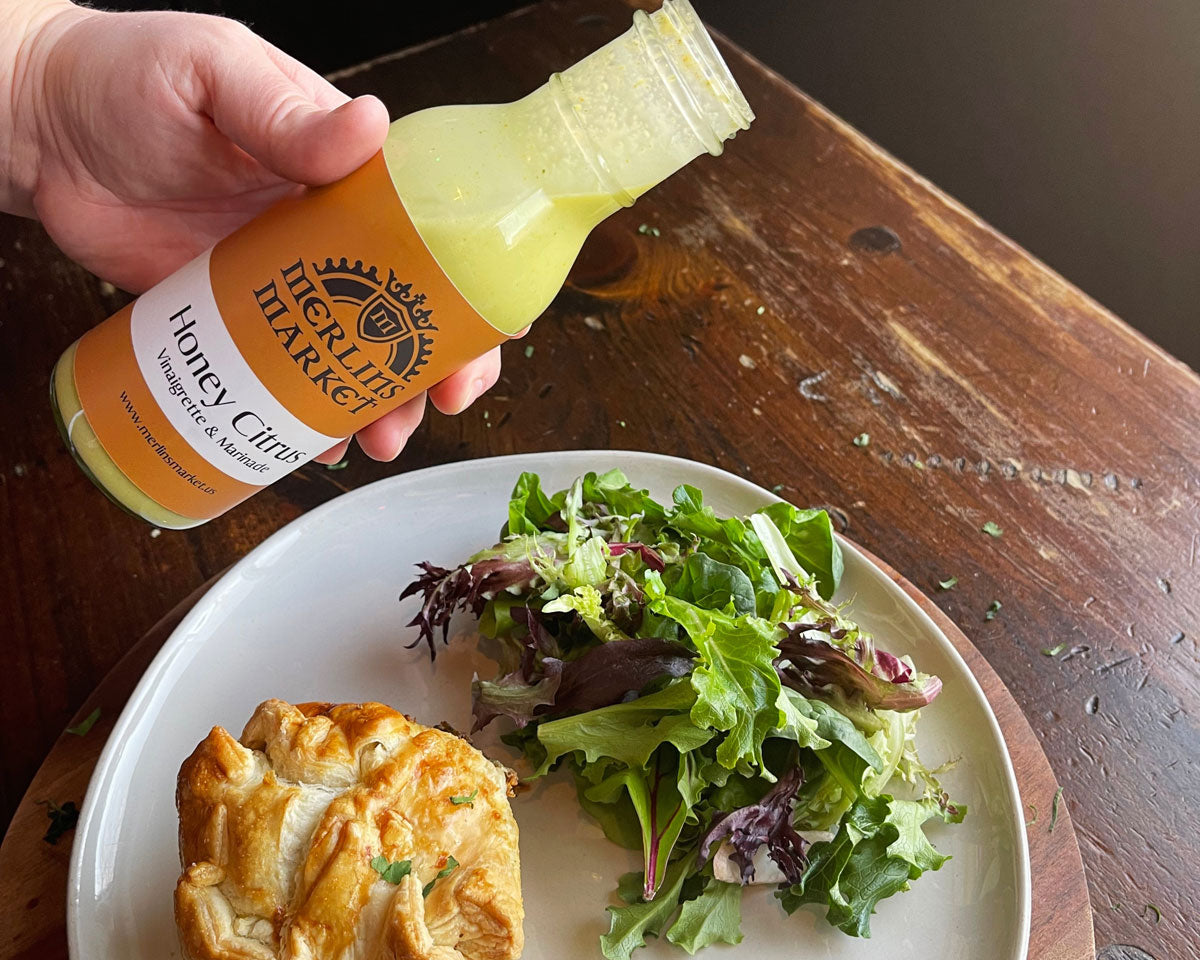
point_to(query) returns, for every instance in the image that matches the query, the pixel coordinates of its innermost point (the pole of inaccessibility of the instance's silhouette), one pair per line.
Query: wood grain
(33, 874)
(991, 390)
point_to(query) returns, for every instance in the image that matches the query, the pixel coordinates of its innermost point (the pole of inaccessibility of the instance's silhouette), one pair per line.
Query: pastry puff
(277, 834)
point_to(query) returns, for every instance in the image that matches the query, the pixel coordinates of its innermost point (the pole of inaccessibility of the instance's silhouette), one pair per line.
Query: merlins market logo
(360, 340)
(388, 312)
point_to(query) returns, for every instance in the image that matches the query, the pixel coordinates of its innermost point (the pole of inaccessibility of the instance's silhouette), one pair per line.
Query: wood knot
(608, 255)
(878, 239)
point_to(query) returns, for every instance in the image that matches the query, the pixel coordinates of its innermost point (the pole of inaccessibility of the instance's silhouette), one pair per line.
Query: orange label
(293, 332)
(346, 312)
(136, 433)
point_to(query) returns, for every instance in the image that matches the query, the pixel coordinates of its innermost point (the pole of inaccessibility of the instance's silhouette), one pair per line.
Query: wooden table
(798, 292)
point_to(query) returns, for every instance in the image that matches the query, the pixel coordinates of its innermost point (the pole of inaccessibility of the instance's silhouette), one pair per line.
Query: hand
(140, 139)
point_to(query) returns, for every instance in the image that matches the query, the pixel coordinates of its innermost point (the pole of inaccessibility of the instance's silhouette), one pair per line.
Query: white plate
(312, 615)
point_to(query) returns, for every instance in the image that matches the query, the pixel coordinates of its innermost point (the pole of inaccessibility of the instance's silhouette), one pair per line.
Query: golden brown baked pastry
(277, 834)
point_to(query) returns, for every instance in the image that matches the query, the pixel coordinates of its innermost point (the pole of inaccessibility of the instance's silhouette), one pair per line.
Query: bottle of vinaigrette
(333, 308)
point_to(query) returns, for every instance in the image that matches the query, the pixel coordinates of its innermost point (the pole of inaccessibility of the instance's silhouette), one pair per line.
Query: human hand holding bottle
(140, 139)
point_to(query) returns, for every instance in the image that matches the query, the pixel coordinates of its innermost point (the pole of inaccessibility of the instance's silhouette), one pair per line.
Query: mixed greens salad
(718, 712)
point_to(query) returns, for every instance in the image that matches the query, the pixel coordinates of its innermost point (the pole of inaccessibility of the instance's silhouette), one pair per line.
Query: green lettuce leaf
(842, 768)
(712, 585)
(628, 733)
(529, 509)
(835, 727)
(892, 741)
(725, 539)
(737, 688)
(783, 562)
(798, 725)
(868, 877)
(586, 601)
(713, 917)
(614, 491)
(630, 925)
(617, 818)
(878, 849)
(629, 887)
(658, 798)
(588, 564)
(911, 845)
(496, 621)
(809, 536)
(737, 791)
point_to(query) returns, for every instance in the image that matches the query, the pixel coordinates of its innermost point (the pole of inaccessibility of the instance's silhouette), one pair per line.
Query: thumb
(281, 124)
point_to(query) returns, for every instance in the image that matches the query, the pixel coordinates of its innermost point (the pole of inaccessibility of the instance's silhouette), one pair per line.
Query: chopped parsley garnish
(80, 729)
(948, 584)
(528, 351)
(62, 819)
(862, 440)
(1054, 809)
(646, 228)
(391, 871)
(992, 610)
(991, 529)
(467, 798)
(448, 869)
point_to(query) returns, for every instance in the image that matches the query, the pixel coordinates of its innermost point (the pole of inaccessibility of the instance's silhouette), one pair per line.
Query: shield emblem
(381, 320)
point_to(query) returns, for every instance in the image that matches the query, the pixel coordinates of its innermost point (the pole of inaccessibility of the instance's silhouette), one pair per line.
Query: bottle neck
(505, 194)
(649, 102)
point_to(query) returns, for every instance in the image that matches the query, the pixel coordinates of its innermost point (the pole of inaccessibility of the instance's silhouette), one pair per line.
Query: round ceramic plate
(312, 615)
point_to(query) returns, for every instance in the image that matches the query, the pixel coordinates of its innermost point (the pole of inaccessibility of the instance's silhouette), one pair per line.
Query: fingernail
(477, 389)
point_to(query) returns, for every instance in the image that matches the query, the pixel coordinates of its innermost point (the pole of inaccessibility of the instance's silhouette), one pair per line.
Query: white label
(207, 390)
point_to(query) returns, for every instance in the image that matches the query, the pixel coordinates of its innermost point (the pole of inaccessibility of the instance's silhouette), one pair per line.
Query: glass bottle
(330, 309)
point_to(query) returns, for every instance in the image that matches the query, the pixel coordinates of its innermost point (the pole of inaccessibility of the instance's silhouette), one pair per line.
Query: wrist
(28, 31)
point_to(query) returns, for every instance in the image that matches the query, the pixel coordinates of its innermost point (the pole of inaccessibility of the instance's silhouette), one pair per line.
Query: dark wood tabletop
(796, 293)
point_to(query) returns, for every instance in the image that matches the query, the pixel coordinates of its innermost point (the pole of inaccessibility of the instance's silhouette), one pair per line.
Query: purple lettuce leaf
(769, 821)
(536, 639)
(885, 665)
(470, 586)
(607, 674)
(813, 666)
(649, 556)
(514, 696)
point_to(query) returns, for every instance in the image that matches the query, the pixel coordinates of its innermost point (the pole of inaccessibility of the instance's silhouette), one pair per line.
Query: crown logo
(387, 312)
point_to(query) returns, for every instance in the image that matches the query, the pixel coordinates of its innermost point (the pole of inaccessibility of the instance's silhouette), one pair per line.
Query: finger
(459, 390)
(322, 92)
(280, 122)
(333, 454)
(386, 437)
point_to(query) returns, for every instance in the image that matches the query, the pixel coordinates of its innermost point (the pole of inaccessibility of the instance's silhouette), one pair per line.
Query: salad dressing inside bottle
(333, 308)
